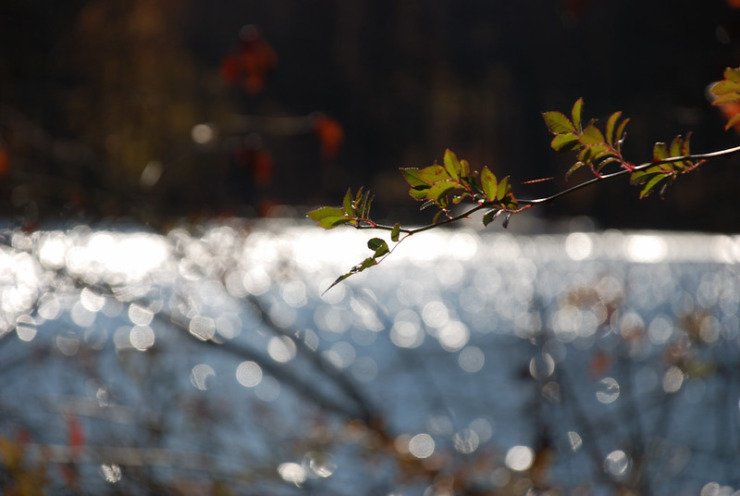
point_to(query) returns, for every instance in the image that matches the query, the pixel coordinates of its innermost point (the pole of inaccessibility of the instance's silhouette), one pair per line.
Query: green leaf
(592, 136)
(488, 183)
(433, 174)
(464, 170)
(411, 174)
(503, 188)
(558, 123)
(505, 223)
(367, 263)
(576, 113)
(574, 168)
(324, 212)
(491, 215)
(676, 145)
(437, 192)
(330, 222)
(619, 135)
(565, 141)
(651, 184)
(610, 125)
(660, 152)
(348, 204)
(640, 176)
(419, 192)
(452, 164)
(395, 232)
(379, 246)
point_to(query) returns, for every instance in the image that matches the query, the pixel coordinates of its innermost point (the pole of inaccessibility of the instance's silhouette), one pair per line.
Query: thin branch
(549, 199)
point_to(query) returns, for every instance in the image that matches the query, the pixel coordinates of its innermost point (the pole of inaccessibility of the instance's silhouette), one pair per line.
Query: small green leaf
(592, 136)
(619, 135)
(411, 174)
(452, 164)
(558, 123)
(505, 223)
(576, 113)
(639, 176)
(419, 192)
(503, 188)
(611, 123)
(491, 215)
(367, 263)
(433, 174)
(437, 192)
(651, 184)
(323, 212)
(488, 183)
(685, 151)
(574, 168)
(330, 222)
(660, 152)
(565, 141)
(395, 232)
(464, 170)
(379, 246)
(348, 204)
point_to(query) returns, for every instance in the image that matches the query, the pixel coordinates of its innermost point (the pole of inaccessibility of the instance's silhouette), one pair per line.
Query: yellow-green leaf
(576, 113)
(452, 164)
(395, 232)
(488, 183)
(566, 141)
(558, 123)
(611, 124)
(503, 188)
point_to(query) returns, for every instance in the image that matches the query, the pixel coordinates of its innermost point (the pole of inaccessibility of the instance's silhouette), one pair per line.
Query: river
(468, 362)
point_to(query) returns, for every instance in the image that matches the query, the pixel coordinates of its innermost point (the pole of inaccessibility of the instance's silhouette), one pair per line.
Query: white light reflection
(200, 374)
(203, 328)
(319, 464)
(484, 428)
(435, 314)
(282, 349)
(645, 248)
(471, 359)
(578, 246)
(453, 336)
(292, 473)
(421, 445)
(25, 328)
(406, 331)
(111, 473)
(141, 337)
(617, 463)
(466, 441)
(608, 391)
(575, 441)
(249, 374)
(268, 389)
(673, 380)
(519, 458)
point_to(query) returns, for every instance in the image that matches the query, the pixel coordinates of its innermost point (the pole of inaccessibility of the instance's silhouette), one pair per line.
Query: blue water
(494, 362)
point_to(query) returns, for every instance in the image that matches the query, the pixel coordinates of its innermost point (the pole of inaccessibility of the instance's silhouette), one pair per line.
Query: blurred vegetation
(94, 94)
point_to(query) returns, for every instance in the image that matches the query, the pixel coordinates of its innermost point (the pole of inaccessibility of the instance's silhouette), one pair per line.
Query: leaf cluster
(595, 148)
(441, 186)
(727, 92)
(355, 211)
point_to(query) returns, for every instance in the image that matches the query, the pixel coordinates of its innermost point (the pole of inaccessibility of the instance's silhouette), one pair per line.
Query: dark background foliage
(93, 93)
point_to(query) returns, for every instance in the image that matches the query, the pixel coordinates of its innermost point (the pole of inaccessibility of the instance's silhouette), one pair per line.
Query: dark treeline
(100, 102)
